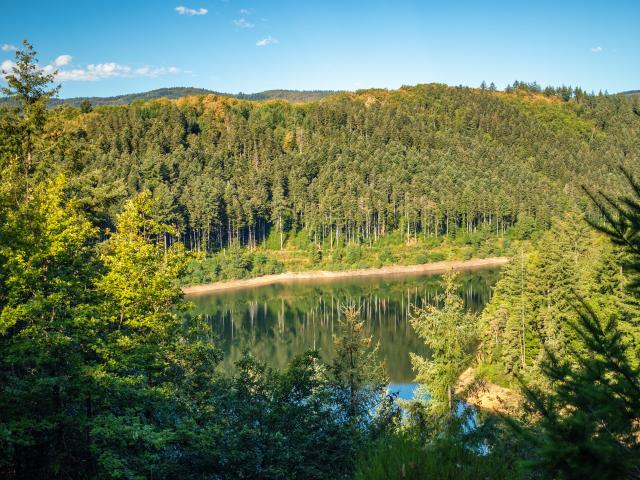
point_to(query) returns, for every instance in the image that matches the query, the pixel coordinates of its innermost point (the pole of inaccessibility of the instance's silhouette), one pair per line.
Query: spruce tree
(589, 423)
(30, 88)
(450, 333)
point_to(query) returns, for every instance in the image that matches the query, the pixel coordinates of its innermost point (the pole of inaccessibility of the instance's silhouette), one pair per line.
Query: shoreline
(287, 277)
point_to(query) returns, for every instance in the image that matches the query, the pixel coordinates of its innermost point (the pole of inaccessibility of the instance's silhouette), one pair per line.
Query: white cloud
(242, 23)
(7, 47)
(76, 74)
(7, 66)
(191, 11)
(596, 49)
(93, 71)
(246, 11)
(110, 69)
(62, 60)
(155, 71)
(102, 71)
(266, 41)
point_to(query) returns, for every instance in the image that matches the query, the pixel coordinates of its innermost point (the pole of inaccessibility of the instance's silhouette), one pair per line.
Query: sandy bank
(488, 396)
(437, 267)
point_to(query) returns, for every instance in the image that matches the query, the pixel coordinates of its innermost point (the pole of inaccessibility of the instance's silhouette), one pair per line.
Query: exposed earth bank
(436, 267)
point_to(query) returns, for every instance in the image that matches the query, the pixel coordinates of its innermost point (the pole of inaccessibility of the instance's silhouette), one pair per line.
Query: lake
(277, 322)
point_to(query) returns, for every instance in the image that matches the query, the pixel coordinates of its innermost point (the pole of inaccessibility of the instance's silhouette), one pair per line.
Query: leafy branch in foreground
(622, 224)
(590, 424)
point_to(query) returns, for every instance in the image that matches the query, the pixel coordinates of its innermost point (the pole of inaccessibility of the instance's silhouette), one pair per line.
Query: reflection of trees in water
(277, 322)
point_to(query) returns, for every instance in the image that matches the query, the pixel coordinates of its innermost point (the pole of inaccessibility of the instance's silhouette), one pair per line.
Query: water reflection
(277, 322)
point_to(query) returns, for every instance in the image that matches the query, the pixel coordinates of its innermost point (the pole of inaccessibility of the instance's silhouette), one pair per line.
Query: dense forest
(425, 161)
(418, 165)
(102, 376)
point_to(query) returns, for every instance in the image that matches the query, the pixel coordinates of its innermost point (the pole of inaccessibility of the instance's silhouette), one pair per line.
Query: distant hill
(631, 93)
(178, 92)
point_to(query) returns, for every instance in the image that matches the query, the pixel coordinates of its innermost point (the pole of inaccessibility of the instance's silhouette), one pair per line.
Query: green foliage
(231, 263)
(525, 227)
(585, 398)
(450, 334)
(352, 254)
(622, 225)
(588, 425)
(85, 106)
(47, 305)
(402, 457)
(386, 257)
(422, 258)
(356, 372)
(468, 164)
(29, 89)
(530, 310)
(277, 425)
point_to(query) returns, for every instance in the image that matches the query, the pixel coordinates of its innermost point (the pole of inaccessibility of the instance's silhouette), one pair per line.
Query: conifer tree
(30, 87)
(450, 333)
(590, 422)
(356, 372)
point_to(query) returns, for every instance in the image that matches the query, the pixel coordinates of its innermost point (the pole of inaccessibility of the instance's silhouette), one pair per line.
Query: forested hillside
(173, 93)
(427, 161)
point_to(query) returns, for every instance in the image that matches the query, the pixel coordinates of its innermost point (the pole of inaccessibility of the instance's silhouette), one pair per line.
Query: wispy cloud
(7, 47)
(95, 71)
(596, 49)
(62, 60)
(242, 23)
(266, 41)
(191, 11)
(246, 11)
(102, 71)
(155, 71)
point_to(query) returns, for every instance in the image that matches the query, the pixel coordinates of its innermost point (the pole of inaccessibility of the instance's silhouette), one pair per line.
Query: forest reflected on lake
(277, 322)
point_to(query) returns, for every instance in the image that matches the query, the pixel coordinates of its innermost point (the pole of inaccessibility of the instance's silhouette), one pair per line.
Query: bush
(436, 257)
(353, 254)
(422, 258)
(234, 263)
(401, 457)
(386, 256)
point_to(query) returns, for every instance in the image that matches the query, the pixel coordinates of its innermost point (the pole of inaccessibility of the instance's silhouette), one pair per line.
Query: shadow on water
(277, 322)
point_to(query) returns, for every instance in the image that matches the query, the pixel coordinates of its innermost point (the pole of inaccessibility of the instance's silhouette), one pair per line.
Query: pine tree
(450, 333)
(357, 374)
(588, 425)
(590, 422)
(30, 88)
(622, 224)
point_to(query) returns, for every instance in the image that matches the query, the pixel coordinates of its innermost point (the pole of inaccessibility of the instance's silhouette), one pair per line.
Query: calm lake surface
(277, 322)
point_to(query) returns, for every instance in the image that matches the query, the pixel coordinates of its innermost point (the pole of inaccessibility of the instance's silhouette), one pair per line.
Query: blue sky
(121, 46)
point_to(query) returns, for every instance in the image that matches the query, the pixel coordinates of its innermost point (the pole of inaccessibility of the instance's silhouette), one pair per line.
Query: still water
(277, 322)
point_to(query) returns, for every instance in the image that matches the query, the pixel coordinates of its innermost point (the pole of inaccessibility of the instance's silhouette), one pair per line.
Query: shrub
(353, 254)
(422, 258)
(386, 256)
(401, 457)
(436, 257)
